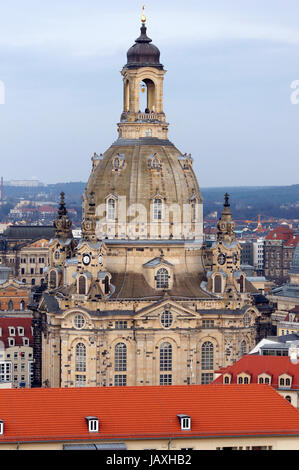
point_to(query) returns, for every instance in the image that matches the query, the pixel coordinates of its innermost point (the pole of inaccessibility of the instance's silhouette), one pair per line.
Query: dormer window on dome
(154, 163)
(118, 162)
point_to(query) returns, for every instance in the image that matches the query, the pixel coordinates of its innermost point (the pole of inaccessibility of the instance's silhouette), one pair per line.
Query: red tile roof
(293, 241)
(254, 365)
(23, 322)
(145, 412)
(283, 232)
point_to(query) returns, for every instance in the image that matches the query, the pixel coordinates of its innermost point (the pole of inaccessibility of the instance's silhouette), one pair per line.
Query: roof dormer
(185, 422)
(285, 381)
(1, 427)
(243, 378)
(93, 423)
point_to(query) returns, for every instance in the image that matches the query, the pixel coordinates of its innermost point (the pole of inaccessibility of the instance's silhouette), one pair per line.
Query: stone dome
(134, 175)
(143, 53)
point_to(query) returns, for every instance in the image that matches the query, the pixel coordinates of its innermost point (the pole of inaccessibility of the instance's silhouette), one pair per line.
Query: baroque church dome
(143, 186)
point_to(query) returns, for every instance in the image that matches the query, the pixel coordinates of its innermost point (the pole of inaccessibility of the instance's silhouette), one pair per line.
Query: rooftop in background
(255, 365)
(28, 232)
(16, 323)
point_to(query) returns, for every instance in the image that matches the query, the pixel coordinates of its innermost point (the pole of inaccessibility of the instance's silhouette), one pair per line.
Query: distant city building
(16, 351)
(24, 183)
(280, 245)
(14, 297)
(258, 255)
(24, 249)
(290, 324)
(286, 297)
(246, 252)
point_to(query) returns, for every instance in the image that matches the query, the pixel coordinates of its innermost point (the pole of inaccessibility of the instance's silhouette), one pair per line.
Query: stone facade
(142, 299)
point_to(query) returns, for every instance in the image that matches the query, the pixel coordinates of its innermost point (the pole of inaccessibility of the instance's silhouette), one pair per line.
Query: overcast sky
(230, 65)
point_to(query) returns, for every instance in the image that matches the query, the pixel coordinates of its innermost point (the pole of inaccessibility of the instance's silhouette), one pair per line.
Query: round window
(79, 321)
(166, 319)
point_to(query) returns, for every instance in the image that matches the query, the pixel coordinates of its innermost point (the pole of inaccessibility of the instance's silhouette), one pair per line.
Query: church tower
(141, 300)
(143, 74)
(61, 247)
(144, 187)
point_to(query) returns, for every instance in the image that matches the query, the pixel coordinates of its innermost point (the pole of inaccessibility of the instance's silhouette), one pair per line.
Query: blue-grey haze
(227, 90)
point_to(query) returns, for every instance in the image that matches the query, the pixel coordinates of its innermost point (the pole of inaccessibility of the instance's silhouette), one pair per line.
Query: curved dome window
(79, 321)
(162, 279)
(111, 209)
(158, 206)
(82, 285)
(166, 319)
(53, 279)
(246, 320)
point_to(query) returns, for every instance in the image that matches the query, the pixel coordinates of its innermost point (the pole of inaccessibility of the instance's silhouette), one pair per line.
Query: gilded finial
(143, 18)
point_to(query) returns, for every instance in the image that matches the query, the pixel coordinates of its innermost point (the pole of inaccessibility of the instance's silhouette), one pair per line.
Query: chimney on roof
(294, 353)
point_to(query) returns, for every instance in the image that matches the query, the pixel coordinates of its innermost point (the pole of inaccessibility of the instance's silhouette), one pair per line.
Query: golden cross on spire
(143, 18)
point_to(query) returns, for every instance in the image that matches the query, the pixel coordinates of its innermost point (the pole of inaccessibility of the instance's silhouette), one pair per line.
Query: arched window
(288, 398)
(246, 320)
(120, 357)
(240, 380)
(243, 348)
(107, 289)
(82, 285)
(242, 283)
(166, 319)
(246, 380)
(165, 357)
(116, 163)
(218, 284)
(53, 279)
(281, 382)
(57, 255)
(162, 278)
(226, 380)
(80, 357)
(22, 305)
(111, 209)
(148, 133)
(10, 305)
(156, 163)
(288, 382)
(207, 356)
(261, 380)
(158, 205)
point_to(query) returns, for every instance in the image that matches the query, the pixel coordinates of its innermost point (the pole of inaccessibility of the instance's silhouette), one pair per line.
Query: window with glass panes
(162, 277)
(80, 381)
(165, 379)
(165, 357)
(120, 380)
(80, 357)
(120, 357)
(207, 356)
(206, 378)
(5, 371)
